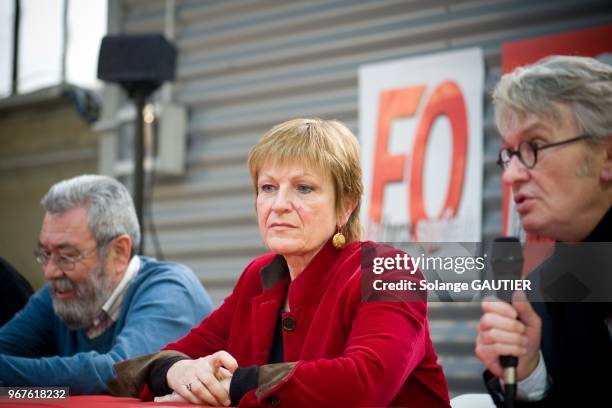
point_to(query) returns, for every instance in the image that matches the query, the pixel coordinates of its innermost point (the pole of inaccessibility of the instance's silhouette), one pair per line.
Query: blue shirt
(161, 304)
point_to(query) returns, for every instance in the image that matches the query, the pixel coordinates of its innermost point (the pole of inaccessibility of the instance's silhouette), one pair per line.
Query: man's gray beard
(91, 294)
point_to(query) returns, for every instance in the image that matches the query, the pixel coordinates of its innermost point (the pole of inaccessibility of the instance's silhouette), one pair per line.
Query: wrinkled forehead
(305, 165)
(65, 229)
(513, 124)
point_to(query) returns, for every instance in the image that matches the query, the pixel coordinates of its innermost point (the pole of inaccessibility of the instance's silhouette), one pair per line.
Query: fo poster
(420, 129)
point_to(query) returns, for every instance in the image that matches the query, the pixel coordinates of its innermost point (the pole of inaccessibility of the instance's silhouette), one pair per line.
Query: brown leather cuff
(132, 375)
(270, 375)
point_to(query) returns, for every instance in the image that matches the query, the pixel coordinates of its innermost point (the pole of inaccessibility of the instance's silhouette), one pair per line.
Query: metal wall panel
(245, 65)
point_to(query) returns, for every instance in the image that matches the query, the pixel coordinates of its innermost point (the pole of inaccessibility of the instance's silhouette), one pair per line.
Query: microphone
(507, 263)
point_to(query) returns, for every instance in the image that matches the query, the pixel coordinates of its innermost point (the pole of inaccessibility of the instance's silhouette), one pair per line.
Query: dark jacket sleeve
(157, 377)
(14, 291)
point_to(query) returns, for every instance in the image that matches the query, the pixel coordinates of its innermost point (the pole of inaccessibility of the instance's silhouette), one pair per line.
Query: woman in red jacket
(296, 330)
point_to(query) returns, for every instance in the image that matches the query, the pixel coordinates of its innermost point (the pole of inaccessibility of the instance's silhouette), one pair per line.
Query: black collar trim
(273, 272)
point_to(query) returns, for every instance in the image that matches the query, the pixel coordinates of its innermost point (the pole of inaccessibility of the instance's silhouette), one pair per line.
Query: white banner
(420, 124)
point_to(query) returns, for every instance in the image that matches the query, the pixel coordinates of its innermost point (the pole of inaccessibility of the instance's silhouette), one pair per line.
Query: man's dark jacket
(14, 291)
(576, 338)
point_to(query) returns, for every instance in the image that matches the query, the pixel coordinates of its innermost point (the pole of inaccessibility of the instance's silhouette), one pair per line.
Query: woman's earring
(339, 240)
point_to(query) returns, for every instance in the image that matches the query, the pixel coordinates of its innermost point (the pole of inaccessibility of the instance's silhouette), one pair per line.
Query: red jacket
(340, 351)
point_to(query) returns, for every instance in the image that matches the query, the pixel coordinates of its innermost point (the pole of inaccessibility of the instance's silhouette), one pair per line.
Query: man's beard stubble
(79, 313)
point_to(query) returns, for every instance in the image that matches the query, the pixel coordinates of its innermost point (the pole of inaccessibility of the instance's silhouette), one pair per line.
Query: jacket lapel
(265, 308)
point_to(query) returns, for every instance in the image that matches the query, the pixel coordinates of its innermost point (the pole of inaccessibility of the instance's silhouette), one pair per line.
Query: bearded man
(101, 303)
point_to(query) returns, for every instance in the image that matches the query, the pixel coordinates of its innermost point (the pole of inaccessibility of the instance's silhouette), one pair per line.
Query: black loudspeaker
(139, 62)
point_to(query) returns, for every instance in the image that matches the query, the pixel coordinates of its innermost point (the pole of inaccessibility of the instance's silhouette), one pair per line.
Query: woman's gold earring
(339, 240)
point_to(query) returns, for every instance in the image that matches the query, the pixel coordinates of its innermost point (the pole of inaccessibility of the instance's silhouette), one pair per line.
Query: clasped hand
(205, 380)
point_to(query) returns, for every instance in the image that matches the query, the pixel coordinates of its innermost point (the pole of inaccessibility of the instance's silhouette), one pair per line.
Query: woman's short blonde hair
(324, 145)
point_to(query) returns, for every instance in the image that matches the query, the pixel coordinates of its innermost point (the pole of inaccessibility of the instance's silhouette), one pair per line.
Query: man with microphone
(555, 119)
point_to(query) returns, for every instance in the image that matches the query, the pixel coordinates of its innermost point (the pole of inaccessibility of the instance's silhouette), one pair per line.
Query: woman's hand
(205, 380)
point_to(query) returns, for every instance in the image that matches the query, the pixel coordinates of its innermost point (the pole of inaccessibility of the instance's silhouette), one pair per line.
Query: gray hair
(110, 209)
(584, 83)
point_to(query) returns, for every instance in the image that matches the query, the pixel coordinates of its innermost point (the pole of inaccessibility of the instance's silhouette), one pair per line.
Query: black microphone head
(507, 262)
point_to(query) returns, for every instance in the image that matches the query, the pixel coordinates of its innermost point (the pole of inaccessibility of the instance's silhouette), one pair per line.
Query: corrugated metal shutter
(245, 65)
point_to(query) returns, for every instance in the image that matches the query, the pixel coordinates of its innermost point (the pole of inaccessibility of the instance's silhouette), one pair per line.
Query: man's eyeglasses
(65, 262)
(527, 152)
